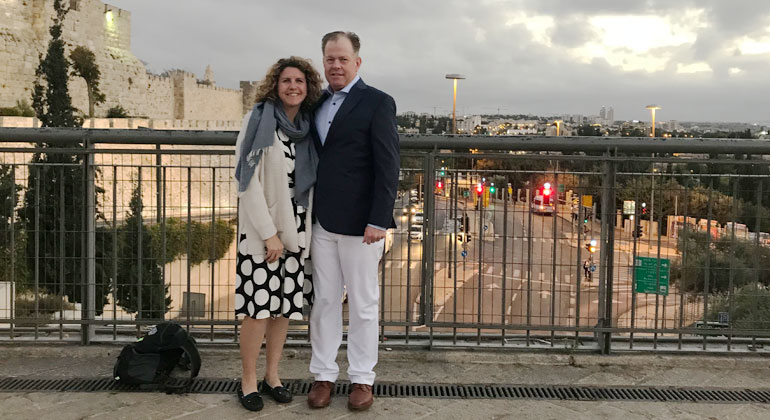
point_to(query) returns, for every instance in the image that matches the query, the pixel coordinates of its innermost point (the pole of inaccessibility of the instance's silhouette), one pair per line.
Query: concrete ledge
(454, 357)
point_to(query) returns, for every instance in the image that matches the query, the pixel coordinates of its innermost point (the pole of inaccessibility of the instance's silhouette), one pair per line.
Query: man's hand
(274, 248)
(372, 235)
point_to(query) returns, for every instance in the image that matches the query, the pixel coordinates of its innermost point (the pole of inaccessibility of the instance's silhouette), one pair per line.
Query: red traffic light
(439, 184)
(479, 188)
(546, 192)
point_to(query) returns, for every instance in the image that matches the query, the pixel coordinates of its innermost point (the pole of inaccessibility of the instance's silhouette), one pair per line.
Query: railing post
(428, 249)
(90, 310)
(606, 255)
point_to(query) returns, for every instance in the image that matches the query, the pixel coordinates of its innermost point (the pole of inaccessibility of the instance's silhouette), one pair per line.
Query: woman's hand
(274, 248)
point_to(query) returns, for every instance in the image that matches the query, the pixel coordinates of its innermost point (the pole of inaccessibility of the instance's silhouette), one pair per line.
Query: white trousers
(342, 260)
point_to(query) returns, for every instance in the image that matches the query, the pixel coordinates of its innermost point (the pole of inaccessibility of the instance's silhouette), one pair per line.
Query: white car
(415, 232)
(540, 207)
(418, 217)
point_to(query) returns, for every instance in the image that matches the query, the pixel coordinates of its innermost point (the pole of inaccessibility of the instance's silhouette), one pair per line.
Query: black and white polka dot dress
(280, 288)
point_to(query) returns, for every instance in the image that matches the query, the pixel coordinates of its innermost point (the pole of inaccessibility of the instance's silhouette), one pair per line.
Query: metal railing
(104, 231)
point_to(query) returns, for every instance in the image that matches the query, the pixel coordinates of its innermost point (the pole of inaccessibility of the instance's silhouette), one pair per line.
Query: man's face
(341, 64)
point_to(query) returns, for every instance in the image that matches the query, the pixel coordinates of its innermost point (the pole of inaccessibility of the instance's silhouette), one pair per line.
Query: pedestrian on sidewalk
(276, 165)
(355, 194)
(587, 269)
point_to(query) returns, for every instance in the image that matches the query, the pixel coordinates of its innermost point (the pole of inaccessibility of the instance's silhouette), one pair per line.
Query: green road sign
(561, 188)
(646, 271)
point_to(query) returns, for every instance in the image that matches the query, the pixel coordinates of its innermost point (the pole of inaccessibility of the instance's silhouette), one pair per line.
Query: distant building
(603, 113)
(611, 116)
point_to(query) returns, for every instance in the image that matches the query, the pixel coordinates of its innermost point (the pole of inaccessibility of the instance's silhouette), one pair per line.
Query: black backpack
(154, 356)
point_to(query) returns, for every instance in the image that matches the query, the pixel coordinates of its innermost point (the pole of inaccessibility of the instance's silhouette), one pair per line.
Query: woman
(275, 170)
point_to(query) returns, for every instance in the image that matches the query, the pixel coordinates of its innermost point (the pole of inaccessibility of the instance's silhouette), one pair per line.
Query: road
(524, 271)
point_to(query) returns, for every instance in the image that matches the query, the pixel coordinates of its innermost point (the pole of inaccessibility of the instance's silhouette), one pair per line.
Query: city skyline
(700, 61)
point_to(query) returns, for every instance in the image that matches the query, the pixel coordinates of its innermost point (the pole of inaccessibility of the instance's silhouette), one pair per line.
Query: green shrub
(117, 112)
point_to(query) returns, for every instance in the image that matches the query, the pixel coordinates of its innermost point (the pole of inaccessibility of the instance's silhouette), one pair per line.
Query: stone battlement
(105, 29)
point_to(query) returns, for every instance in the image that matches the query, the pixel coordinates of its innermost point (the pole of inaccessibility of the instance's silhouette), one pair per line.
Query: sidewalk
(410, 366)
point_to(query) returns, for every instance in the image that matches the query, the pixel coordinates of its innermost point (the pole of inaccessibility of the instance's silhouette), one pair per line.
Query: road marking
(571, 301)
(544, 294)
(516, 273)
(492, 287)
(388, 264)
(413, 265)
(438, 266)
(541, 276)
(490, 270)
(403, 263)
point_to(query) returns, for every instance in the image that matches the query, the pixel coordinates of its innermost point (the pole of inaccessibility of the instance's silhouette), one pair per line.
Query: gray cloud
(408, 46)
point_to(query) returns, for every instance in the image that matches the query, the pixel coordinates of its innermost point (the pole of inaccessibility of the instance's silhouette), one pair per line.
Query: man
(354, 196)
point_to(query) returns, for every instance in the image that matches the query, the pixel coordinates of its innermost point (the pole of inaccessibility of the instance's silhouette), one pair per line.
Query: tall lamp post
(558, 127)
(455, 77)
(652, 109)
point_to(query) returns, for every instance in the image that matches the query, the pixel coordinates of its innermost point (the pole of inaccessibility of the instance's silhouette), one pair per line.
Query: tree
(50, 94)
(55, 199)
(84, 65)
(139, 259)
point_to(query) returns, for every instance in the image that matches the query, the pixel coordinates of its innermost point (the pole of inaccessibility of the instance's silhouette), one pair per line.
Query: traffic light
(591, 246)
(644, 208)
(547, 189)
(439, 185)
(637, 233)
(492, 189)
(479, 188)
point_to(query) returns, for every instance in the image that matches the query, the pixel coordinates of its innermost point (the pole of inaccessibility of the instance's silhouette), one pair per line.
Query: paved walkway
(437, 366)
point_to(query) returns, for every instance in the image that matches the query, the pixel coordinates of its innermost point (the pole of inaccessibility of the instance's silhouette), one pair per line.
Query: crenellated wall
(105, 30)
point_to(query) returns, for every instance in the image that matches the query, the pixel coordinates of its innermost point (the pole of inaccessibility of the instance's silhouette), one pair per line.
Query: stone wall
(105, 30)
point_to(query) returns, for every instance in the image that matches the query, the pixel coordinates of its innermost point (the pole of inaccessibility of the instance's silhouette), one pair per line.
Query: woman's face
(292, 88)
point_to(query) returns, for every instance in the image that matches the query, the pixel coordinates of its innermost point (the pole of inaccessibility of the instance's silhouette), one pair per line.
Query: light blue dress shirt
(326, 112)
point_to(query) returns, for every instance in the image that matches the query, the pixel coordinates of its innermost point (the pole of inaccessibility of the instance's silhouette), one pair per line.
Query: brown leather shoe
(361, 397)
(320, 394)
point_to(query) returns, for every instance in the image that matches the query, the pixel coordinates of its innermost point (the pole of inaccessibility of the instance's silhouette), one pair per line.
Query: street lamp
(652, 109)
(455, 77)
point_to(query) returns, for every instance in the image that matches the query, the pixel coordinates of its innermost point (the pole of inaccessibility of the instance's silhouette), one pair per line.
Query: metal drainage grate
(444, 391)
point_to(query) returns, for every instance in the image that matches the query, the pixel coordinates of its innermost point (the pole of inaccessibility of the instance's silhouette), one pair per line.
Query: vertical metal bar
(578, 263)
(37, 244)
(633, 268)
(189, 242)
(456, 176)
(606, 253)
(683, 286)
(140, 249)
(529, 262)
(429, 221)
(114, 251)
(756, 243)
(162, 210)
(480, 283)
(657, 274)
(707, 276)
(212, 263)
(91, 239)
(731, 286)
(62, 251)
(159, 201)
(12, 218)
(505, 262)
(554, 260)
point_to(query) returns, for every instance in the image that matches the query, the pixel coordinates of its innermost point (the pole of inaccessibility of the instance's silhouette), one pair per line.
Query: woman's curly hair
(268, 87)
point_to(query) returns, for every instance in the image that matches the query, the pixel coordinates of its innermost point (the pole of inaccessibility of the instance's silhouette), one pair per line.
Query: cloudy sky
(700, 60)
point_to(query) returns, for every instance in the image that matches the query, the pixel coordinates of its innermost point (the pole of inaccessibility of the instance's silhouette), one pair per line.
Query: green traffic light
(492, 190)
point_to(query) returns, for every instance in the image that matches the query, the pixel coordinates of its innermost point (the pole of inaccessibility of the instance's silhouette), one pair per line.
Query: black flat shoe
(280, 394)
(252, 402)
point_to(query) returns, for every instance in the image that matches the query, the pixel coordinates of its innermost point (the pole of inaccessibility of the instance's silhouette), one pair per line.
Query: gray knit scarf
(260, 133)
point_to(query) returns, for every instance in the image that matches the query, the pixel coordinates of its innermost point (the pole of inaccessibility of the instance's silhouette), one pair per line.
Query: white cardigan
(265, 208)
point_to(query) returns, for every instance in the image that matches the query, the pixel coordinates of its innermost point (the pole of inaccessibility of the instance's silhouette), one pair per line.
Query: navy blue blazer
(358, 164)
